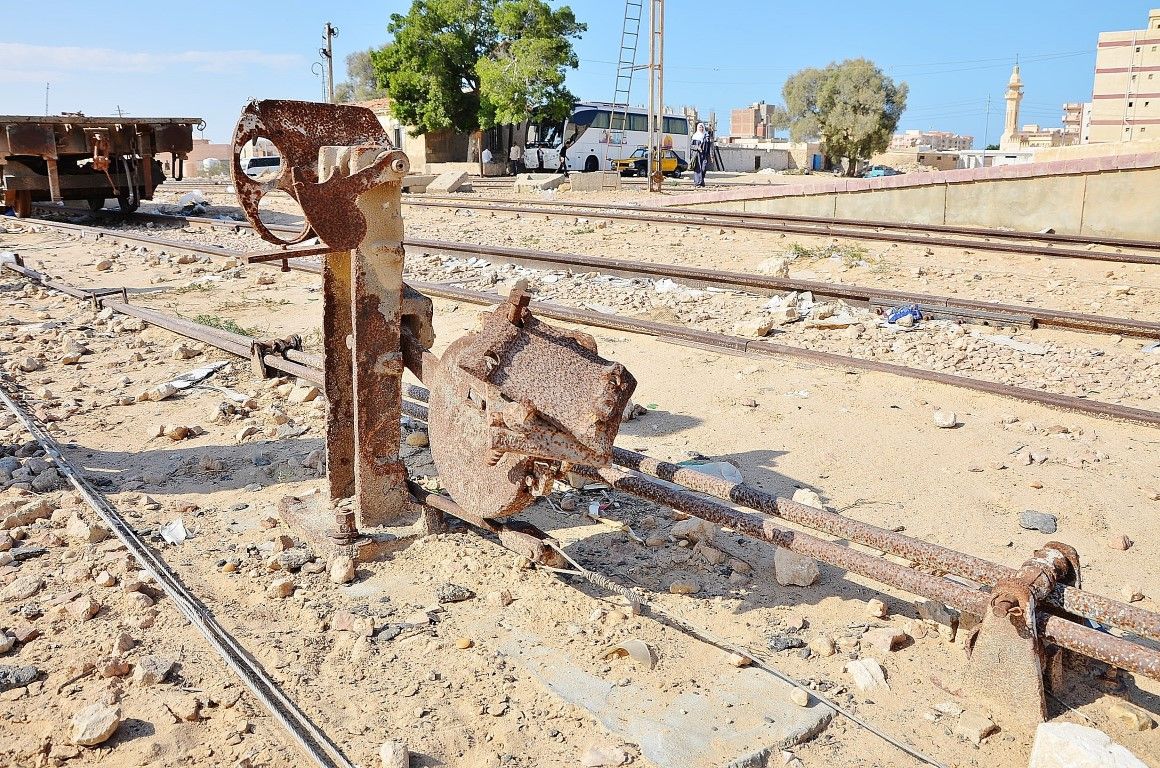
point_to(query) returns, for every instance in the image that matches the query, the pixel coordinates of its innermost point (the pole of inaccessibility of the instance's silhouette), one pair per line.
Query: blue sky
(206, 59)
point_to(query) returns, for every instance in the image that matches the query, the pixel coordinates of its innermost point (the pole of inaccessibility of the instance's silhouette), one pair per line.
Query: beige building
(938, 141)
(1126, 90)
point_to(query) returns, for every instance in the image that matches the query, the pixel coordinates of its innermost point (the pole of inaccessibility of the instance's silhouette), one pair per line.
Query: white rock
(945, 419)
(1067, 745)
(94, 724)
(695, 530)
(808, 497)
(792, 569)
(342, 570)
(394, 754)
(867, 674)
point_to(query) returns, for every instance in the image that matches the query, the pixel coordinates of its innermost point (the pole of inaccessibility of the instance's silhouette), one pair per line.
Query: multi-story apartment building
(1126, 90)
(935, 140)
(752, 122)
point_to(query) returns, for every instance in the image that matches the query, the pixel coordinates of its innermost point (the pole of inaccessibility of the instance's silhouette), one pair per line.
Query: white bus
(595, 135)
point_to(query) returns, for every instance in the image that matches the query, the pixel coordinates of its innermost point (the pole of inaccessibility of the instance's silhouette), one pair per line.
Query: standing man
(701, 149)
(516, 156)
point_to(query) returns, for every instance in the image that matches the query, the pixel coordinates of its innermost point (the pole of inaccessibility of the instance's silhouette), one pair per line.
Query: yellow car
(636, 164)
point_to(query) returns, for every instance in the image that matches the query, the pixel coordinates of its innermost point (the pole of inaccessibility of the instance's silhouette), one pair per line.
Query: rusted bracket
(1007, 657)
(259, 348)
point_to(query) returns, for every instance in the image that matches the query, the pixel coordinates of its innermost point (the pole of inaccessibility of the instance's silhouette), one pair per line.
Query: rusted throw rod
(1073, 600)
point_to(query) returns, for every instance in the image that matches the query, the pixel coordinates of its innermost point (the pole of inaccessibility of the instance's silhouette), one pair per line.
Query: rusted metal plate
(299, 130)
(32, 139)
(514, 403)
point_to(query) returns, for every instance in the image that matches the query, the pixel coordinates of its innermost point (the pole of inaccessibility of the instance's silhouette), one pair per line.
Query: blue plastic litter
(905, 310)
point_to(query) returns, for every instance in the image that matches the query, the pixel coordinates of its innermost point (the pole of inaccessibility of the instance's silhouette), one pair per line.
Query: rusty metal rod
(1075, 601)
(1098, 645)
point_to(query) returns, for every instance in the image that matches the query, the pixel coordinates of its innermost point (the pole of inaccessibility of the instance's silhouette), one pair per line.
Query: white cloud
(32, 63)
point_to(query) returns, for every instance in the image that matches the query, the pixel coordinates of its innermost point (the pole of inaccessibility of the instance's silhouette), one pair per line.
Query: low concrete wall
(1113, 195)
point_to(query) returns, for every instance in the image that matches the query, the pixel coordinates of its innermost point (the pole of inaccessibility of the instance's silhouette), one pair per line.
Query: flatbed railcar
(75, 157)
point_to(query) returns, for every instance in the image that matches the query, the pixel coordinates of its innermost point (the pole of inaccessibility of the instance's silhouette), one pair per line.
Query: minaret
(1010, 138)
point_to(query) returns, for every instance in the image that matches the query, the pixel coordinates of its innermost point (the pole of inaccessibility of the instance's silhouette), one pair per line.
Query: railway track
(993, 241)
(295, 259)
(877, 299)
(683, 489)
(1133, 251)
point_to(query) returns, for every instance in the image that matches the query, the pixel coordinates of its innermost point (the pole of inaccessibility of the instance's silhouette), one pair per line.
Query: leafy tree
(360, 84)
(991, 146)
(852, 106)
(467, 64)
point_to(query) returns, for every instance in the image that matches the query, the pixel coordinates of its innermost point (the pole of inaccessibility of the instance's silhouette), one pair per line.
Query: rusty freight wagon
(73, 157)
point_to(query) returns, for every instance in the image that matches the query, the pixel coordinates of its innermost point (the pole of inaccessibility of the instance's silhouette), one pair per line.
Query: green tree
(852, 106)
(360, 83)
(470, 64)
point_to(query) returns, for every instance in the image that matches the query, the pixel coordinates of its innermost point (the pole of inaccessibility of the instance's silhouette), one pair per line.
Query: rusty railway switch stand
(514, 404)
(1008, 666)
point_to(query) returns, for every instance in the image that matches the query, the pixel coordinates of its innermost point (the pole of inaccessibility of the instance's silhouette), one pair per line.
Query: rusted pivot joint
(260, 348)
(1006, 646)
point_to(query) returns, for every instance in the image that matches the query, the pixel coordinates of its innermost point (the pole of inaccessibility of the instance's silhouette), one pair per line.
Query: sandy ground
(865, 442)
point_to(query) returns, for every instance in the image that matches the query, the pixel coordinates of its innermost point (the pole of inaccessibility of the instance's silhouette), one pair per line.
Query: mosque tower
(1010, 138)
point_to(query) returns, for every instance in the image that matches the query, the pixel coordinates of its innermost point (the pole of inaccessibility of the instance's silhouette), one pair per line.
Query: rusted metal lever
(327, 187)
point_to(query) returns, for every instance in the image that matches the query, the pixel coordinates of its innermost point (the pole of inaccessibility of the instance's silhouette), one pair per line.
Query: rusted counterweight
(514, 404)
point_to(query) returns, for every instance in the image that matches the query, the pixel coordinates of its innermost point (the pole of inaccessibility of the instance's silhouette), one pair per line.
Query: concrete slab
(539, 182)
(594, 182)
(689, 729)
(450, 181)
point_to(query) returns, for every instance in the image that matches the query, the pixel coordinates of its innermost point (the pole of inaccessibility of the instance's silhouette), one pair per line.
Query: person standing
(516, 158)
(701, 149)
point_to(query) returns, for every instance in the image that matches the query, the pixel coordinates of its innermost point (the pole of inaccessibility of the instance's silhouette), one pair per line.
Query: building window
(1137, 49)
(1130, 103)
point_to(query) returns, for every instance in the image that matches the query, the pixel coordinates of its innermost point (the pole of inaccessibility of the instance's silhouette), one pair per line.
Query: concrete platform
(689, 730)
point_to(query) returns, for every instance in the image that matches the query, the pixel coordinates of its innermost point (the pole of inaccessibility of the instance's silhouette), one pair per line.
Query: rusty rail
(823, 222)
(702, 220)
(726, 343)
(967, 309)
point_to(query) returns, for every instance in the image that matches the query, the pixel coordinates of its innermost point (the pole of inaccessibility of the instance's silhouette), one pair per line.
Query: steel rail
(748, 281)
(931, 303)
(737, 345)
(704, 220)
(823, 221)
(313, 742)
(1065, 633)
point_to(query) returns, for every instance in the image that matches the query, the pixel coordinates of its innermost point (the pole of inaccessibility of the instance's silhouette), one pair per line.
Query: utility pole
(986, 131)
(329, 32)
(120, 112)
(46, 87)
(656, 94)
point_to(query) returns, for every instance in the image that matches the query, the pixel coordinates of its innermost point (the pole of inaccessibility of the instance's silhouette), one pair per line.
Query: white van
(268, 167)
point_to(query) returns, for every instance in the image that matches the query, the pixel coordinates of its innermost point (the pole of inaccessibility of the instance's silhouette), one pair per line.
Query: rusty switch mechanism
(513, 404)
